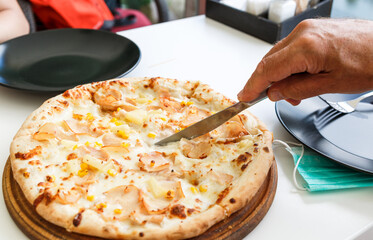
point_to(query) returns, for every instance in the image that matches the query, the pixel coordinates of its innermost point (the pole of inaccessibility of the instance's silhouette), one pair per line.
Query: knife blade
(210, 123)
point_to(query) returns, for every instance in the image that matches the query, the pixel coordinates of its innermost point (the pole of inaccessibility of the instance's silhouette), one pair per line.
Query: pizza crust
(244, 190)
(190, 227)
(241, 190)
(22, 143)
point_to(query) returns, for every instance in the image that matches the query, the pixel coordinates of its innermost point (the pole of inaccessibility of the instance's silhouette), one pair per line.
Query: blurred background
(185, 8)
(362, 9)
(131, 14)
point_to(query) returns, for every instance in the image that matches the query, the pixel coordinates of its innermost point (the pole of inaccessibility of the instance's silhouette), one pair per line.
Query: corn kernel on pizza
(86, 159)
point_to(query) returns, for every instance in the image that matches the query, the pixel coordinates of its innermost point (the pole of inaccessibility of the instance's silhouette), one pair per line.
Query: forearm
(13, 22)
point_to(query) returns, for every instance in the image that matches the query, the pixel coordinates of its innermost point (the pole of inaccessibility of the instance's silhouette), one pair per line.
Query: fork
(348, 106)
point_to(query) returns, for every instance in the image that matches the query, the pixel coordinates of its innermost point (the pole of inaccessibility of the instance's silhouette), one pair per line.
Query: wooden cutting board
(237, 226)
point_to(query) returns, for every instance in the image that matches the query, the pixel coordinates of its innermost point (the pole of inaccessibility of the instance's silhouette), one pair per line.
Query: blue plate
(56, 60)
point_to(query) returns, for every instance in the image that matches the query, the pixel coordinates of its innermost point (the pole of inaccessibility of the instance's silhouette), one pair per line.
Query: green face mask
(320, 173)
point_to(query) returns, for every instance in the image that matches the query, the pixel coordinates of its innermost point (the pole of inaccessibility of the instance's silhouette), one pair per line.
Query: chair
(162, 9)
(138, 18)
(27, 10)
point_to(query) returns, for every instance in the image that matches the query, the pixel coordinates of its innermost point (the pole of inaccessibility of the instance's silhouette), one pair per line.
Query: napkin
(321, 174)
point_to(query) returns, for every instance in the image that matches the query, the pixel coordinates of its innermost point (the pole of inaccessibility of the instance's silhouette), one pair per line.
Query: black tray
(260, 26)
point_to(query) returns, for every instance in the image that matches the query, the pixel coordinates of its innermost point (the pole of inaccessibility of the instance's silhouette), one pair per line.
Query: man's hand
(319, 56)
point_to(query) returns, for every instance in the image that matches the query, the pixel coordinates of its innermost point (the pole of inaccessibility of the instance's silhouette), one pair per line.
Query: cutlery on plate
(348, 106)
(210, 123)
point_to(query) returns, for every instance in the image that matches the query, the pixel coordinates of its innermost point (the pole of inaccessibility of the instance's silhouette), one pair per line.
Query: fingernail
(293, 101)
(275, 95)
(239, 95)
(260, 68)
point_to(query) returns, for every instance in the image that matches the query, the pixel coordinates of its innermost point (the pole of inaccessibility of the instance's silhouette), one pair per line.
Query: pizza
(86, 159)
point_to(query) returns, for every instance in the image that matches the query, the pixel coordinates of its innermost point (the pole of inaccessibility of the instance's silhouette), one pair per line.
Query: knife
(210, 123)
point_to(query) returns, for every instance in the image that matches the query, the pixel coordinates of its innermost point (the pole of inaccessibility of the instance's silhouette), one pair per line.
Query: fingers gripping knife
(210, 123)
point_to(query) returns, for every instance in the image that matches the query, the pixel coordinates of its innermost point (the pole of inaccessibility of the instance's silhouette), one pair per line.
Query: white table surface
(199, 48)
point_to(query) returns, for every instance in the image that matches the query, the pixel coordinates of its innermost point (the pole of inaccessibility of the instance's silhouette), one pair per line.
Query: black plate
(56, 60)
(345, 138)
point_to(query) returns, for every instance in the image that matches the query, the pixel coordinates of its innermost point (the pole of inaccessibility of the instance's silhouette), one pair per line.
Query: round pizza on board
(86, 159)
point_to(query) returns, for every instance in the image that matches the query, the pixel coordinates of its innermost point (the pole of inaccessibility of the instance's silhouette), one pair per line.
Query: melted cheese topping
(98, 153)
